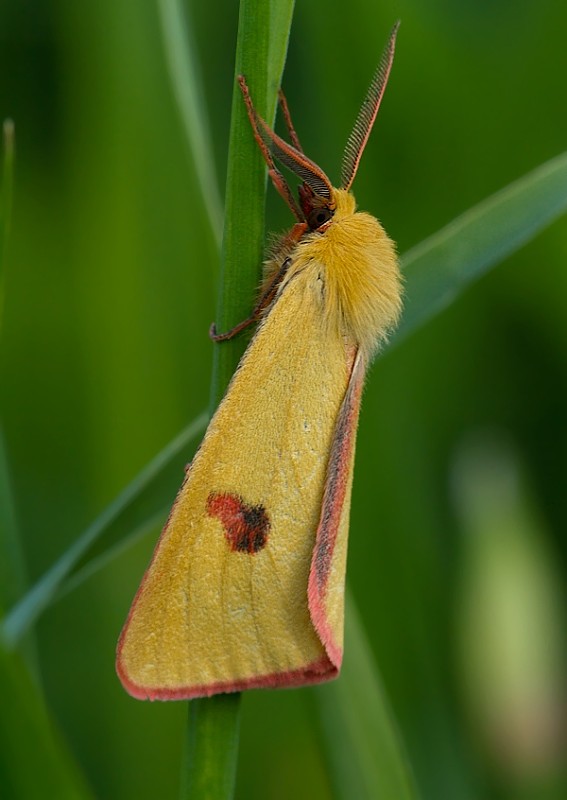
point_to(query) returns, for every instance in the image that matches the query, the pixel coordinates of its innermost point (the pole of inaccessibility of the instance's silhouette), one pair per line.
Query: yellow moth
(246, 585)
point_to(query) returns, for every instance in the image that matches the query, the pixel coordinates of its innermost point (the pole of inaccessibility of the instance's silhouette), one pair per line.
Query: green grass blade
(128, 502)
(186, 83)
(11, 558)
(263, 33)
(366, 755)
(211, 749)
(7, 191)
(243, 236)
(12, 563)
(439, 269)
(12, 572)
(260, 56)
(34, 763)
(94, 564)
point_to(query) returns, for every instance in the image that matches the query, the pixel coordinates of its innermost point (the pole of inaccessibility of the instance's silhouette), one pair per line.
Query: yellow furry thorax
(357, 268)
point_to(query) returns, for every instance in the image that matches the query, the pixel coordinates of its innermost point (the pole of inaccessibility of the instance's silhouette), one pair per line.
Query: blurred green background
(458, 553)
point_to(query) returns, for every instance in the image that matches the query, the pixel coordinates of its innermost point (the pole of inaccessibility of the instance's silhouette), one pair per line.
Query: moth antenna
(367, 114)
(258, 126)
(298, 163)
(273, 146)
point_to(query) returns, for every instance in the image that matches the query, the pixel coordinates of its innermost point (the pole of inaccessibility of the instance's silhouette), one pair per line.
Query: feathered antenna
(367, 114)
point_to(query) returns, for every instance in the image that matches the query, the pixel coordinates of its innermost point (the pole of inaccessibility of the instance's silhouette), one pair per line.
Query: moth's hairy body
(353, 264)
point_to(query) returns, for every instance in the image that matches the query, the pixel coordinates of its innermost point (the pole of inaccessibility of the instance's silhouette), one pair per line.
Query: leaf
(7, 191)
(13, 579)
(12, 565)
(438, 269)
(12, 570)
(11, 557)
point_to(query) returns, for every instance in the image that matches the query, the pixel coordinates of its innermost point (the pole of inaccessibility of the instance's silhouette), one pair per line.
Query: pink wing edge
(336, 484)
(336, 488)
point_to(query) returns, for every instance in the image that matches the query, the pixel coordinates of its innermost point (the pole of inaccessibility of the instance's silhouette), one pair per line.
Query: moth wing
(328, 566)
(224, 604)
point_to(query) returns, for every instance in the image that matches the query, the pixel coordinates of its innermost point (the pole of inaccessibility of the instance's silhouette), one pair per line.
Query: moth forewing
(246, 585)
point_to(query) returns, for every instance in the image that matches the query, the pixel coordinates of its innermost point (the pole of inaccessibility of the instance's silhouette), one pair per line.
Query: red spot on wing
(245, 526)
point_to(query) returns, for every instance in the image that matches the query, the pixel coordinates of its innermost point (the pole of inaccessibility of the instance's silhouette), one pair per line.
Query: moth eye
(318, 217)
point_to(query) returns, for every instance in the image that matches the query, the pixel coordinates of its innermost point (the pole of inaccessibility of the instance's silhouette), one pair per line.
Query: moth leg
(271, 286)
(280, 184)
(264, 301)
(289, 124)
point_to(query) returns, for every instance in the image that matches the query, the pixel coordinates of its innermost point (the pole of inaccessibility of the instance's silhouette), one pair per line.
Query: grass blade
(11, 558)
(92, 565)
(211, 748)
(365, 751)
(12, 571)
(263, 33)
(439, 269)
(7, 191)
(243, 236)
(12, 564)
(186, 83)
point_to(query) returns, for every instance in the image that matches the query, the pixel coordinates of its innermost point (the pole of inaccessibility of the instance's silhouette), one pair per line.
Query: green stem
(12, 568)
(12, 573)
(263, 32)
(243, 237)
(211, 750)
(6, 203)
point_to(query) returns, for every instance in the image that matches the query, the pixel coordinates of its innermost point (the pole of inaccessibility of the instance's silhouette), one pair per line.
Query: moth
(246, 585)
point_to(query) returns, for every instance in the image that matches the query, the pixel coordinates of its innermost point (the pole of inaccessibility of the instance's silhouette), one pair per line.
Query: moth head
(316, 204)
